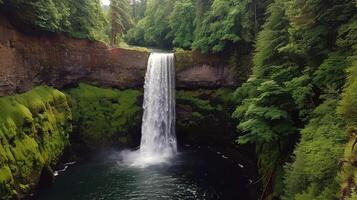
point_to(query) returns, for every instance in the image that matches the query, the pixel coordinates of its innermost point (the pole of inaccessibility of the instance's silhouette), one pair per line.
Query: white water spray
(158, 140)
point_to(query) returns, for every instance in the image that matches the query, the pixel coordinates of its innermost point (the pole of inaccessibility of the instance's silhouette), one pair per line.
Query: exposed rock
(195, 70)
(57, 60)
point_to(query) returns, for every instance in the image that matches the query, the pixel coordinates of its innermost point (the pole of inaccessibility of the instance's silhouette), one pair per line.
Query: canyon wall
(57, 60)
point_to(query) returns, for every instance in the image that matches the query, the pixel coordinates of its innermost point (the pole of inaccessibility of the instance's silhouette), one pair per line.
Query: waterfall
(158, 125)
(158, 140)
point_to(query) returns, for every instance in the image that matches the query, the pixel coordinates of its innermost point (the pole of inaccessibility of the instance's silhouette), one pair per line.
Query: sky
(105, 2)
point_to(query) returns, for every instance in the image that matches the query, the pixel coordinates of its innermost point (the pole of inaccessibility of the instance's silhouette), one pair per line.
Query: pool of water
(192, 174)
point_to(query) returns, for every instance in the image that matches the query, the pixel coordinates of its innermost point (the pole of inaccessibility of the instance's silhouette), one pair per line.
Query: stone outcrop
(195, 70)
(57, 60)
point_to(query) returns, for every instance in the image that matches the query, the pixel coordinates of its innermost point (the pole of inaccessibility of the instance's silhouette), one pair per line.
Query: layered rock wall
(58, 60)
(195, 70)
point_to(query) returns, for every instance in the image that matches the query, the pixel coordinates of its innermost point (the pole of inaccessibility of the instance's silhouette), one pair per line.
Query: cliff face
(57, 60)
(195, 70)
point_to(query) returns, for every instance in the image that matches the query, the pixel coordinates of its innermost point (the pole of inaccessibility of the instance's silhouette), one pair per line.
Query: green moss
(104, 116)
(34, 129)
(137, 48)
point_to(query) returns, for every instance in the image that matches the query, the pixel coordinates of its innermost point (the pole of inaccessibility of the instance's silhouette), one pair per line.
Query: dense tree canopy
(79, 18)
(304, 48)
(120, 19)
(182, 23)
(208, 26)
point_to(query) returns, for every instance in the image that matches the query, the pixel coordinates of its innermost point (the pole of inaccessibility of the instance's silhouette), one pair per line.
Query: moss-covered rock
(104, 117)
(34, 130)
(204, 116)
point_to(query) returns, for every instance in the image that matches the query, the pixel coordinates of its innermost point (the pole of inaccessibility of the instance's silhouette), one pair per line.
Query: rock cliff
(57, 60)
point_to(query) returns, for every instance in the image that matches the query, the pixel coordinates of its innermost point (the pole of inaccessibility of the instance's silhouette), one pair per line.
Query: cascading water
(158, 126)
(158, 140)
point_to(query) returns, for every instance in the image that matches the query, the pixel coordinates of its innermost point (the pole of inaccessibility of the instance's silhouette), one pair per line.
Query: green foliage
(315, 166)
(181, 23)
(353, 195)
(331, 73)
(47, 15)
(349, 97)
(208, 26)
(347, 176)
(347, 108)
(120, 19)
(138, 9)
(265, 117)
(273, 36)
(104, 116)
(301, 89)
(202, 6)
(87, 20)
(154, 28)
(228, 21)
(135, 35)
(79, 18)
(34, 130)
(314, 25)
(300, 60)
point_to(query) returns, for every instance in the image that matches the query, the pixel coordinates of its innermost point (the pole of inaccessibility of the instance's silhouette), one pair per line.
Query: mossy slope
(34, 130)
(103, 117)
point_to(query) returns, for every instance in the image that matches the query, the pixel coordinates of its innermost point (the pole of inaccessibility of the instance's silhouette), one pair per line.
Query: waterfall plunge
(158, 126)
(158, 140)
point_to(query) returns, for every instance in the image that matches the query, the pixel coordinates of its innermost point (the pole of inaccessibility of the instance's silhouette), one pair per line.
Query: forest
(297, 108)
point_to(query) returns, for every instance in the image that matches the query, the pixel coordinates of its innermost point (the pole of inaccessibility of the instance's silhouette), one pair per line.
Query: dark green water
(193, 174)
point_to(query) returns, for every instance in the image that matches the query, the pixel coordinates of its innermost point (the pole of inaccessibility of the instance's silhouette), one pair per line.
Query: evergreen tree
(138, 8)
(181, 23)
(227, 22)
(154, 28)
(79, 18)
(120, 19)
(46, 15)
(202, 6)
(87, 19)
